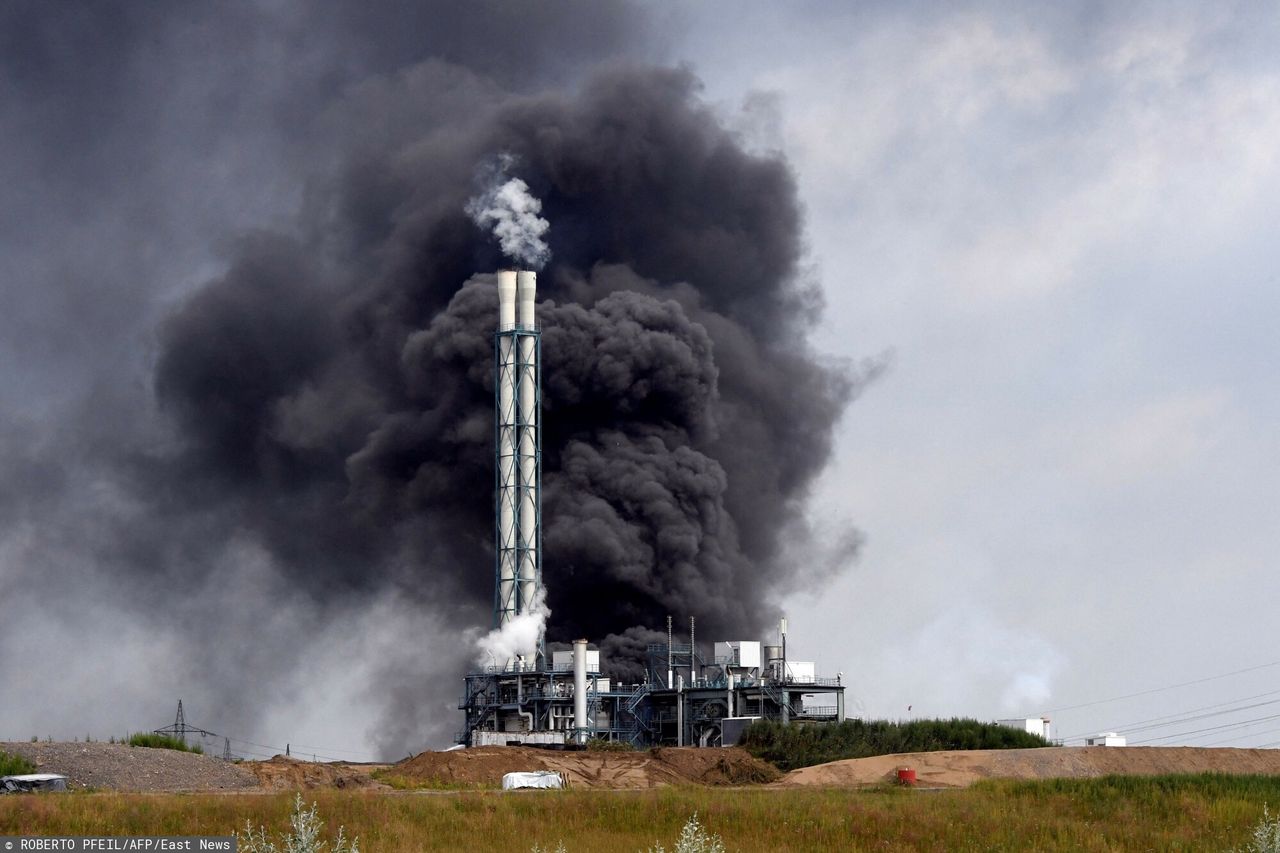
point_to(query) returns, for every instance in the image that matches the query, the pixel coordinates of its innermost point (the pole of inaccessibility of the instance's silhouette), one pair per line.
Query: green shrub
(15, 765)
(803, 745)
(599, 744)
(155, 741)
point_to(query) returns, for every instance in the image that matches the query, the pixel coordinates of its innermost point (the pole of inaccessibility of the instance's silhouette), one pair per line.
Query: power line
(331, 749)
(1209, 729)
(273, 751)
(1179, 714)
(1163, 689)
(1188, 716)
(1250, 734)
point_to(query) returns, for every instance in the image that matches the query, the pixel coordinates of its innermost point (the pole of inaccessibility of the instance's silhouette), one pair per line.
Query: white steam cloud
(517, 638)
(506, 207)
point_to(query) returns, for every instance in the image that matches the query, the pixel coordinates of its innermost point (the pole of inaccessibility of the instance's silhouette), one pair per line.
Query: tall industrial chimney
(530, 441)
(580, 691)
(518, 469)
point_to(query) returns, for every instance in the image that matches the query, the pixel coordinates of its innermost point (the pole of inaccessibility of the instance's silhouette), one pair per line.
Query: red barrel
(906, 776)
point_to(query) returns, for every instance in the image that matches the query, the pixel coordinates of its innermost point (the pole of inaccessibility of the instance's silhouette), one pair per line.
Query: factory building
(687, 697)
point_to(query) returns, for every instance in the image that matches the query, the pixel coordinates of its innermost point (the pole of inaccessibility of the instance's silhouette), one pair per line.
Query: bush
(599, 744)
(305, 837)
(803, 745)
(1266, 835)
(15, 765)
(694, 838)
(155, 741)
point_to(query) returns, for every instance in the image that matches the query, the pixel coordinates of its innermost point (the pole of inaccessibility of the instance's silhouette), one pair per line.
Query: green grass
(404, 783)
(14, 765)
(597, 744)
(156, 741)
(1167, 813)
(790, 747)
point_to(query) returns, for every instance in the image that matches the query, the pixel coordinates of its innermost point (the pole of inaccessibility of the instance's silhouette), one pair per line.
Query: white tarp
(32, 782)
(536, 779)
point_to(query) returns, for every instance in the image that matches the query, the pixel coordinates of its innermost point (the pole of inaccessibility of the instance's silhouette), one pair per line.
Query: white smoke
(517, 638)
(505, 206)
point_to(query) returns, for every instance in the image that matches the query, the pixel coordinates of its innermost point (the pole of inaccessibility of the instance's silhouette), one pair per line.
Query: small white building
(1105, 739)
(562, 661)
(1031, 725)
(739, 653)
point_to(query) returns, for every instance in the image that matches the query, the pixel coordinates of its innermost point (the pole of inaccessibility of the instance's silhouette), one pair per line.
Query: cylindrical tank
(580, 690)
(773, 661)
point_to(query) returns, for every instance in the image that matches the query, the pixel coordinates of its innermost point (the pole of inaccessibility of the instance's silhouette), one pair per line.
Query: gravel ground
(119, 767)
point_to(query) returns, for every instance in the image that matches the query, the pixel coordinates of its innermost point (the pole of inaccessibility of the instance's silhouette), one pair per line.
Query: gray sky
(1059, 227)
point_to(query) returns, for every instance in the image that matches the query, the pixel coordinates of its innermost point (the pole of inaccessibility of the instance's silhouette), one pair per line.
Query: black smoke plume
(254, 474)
(352, 405)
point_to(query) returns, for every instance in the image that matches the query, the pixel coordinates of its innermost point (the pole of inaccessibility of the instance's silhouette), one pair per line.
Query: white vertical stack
(580, 690)
(526, 286)
(507, 477)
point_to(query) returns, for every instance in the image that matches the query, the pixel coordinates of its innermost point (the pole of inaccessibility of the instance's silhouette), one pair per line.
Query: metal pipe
(679, 711)
(669, 665)
(580, 691)
(693, 656)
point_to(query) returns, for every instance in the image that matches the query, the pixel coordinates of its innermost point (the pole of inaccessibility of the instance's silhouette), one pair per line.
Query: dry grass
(1161, 813)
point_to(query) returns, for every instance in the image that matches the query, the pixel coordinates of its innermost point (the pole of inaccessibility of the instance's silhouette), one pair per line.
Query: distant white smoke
(505, 206)
(517, 638)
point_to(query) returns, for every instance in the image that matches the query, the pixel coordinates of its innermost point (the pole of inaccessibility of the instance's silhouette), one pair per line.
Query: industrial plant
(687, 698)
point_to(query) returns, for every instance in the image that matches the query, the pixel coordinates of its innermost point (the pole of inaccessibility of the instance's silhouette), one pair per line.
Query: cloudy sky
(1052, 229)
(1061, 224)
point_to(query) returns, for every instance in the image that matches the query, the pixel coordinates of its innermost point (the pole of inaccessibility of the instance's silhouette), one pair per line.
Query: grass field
(1200, 813)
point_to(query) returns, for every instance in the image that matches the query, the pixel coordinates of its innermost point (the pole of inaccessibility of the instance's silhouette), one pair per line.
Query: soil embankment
(653, 768)
(119, 767)
(283, 773)
(963, 768)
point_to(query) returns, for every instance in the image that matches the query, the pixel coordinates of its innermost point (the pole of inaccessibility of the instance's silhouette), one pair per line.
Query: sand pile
(959, 769)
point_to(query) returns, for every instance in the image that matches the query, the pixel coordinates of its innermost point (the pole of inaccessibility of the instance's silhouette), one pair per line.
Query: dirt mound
(732, 766)
(120, 767)
(651, 769)
(283, 773)
(960, 769)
